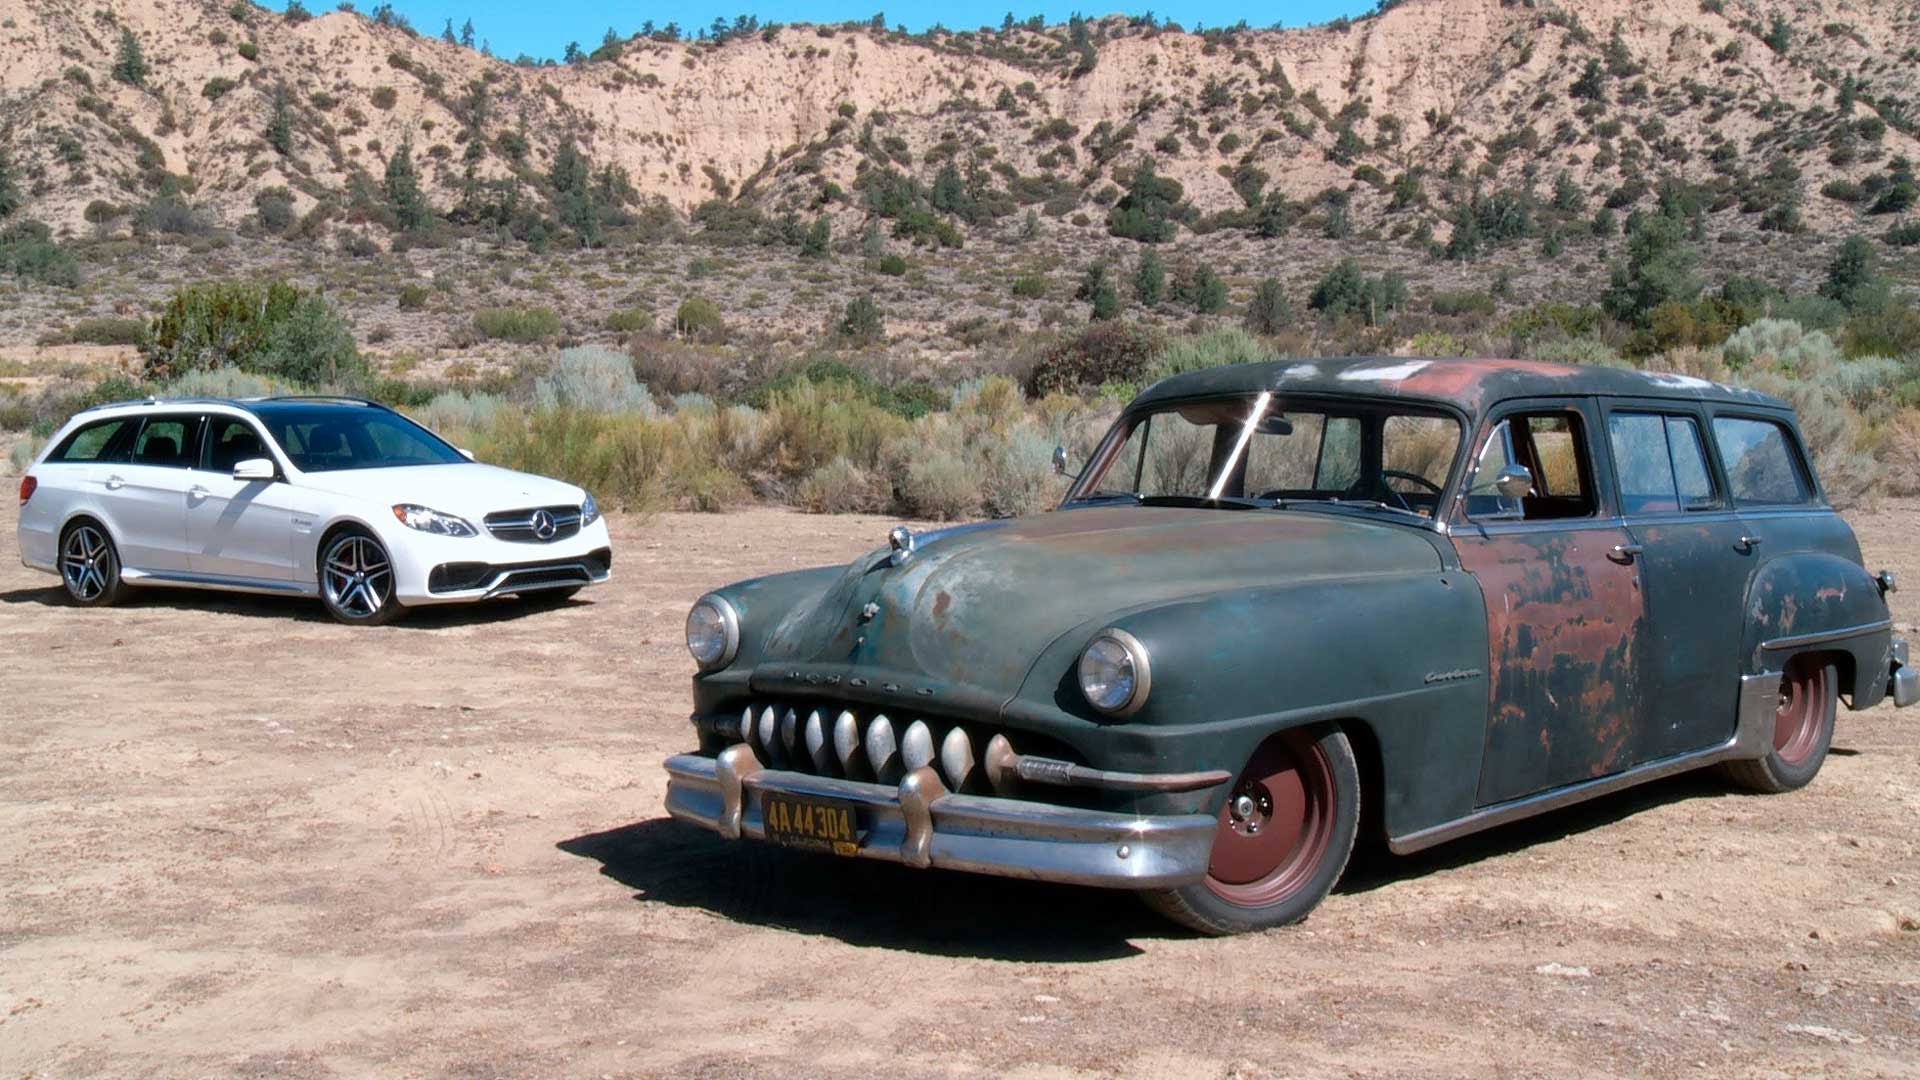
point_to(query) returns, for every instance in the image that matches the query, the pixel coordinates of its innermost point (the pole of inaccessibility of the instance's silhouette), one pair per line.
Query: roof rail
(153, 400)
(346, 399)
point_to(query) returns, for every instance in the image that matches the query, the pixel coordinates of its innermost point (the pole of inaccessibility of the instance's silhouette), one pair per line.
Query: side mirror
(468, 454)
(1060, 461)
(258, 468)
(1514, 482)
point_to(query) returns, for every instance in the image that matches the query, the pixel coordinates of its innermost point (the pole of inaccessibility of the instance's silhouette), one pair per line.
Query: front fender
(763, 604)
(1816, 602)
(1400, 659)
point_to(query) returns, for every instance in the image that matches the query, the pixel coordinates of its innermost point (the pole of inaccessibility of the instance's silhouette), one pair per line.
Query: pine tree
(466, 33)
(9, 190)
(447, 34)
(411, 212)
(280, 122)
(1150, 279)
(129, 66)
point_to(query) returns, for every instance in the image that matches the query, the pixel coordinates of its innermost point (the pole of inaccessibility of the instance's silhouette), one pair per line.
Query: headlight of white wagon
(589, 511)
(433, 521)
(713, 633)
(1114, 674)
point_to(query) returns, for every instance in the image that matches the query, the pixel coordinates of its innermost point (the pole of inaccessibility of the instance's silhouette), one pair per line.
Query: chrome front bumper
(1903, 679)
(922, 824)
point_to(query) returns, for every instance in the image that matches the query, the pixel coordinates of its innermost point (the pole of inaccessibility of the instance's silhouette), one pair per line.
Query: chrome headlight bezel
(1098, 659)
(724, 629)
(428, 520)
(589, 510)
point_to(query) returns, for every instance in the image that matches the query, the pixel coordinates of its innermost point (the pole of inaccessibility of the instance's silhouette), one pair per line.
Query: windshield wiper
(1225, 502)
(1372, 504)
(1108, 496)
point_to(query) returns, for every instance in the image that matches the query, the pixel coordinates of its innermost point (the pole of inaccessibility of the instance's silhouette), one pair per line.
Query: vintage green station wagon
(1453, 592)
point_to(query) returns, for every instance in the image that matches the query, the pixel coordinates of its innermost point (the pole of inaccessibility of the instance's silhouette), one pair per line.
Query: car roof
(1468, 384)
(256, 405)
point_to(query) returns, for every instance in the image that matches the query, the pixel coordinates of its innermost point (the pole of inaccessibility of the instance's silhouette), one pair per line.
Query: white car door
(148, 493)
(239, 528)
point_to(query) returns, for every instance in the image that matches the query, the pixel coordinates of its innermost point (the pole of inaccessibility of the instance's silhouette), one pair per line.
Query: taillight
(27, 484)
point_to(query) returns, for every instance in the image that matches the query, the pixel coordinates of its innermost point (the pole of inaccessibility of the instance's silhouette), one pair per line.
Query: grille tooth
(769, 738)
(956, 757)
(746, 725)
(916, 746)
(819, 749)
(789, 730)
(883, 752)
(846, 744)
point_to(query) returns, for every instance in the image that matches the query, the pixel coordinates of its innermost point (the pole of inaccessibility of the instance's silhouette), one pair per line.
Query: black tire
(1803, 730)
(356, 579)
(1309, 855)
(90, 565)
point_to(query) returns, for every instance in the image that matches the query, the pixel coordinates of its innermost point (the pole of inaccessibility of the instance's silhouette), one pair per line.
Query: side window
(1552, 447)
(169, 441)
(1762, 464)
(232, 441)
(101, 441)
(1661, 465)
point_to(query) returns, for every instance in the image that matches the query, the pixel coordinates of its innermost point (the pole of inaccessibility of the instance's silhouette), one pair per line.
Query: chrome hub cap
(83, 562)
(356, 576)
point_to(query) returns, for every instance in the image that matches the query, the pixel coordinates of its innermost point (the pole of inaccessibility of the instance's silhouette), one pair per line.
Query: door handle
(1625, 553)
(115, 483)
(197, 492)
(1748, 543)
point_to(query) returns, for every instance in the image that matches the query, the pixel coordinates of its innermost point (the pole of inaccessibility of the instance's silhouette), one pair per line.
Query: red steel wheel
(1282, 840)
(1276, 825)
(1802, 715)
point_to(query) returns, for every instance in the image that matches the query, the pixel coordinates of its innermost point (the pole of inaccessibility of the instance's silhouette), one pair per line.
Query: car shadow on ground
(301, 609)
(869, 903)
(955, 914)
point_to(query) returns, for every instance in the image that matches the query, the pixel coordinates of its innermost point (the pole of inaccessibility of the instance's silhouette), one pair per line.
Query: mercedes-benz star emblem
(543, 526)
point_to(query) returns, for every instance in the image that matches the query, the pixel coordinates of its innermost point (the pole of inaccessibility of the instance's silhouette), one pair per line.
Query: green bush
(699, 318)
(275, 329)
(108, 330)
(412, 297)
(1269, 312)
(593, 378)
(1030, 284)
(1106, 352)
(861, 321)
(1463, 302)
(1216, 348)
(631, 320)
(28, 251)
(1345, 291)
(521, 325)
(841, 487)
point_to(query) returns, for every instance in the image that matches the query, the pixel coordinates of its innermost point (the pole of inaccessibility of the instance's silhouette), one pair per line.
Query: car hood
(973, 607)
(471, 490)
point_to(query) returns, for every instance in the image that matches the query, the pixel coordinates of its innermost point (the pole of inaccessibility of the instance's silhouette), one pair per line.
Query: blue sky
(542, 29)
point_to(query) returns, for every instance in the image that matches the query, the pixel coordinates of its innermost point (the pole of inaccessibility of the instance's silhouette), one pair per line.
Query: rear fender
(1815, 602)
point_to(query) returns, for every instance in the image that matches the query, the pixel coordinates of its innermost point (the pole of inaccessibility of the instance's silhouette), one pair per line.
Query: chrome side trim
(918, 822)
(220, 582)
(1752, 738)
(1821, 637)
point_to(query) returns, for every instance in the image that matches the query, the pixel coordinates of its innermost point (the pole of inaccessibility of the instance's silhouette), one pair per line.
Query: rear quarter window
(102, 440)
(1763, 463)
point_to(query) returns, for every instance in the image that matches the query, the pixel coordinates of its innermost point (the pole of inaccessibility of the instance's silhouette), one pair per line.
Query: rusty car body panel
(1486, 668)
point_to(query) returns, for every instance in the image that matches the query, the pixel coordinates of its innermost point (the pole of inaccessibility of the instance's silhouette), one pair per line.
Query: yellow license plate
(810, 822)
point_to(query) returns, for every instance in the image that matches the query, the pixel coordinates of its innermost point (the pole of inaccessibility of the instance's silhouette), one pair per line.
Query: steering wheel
(1399, 474)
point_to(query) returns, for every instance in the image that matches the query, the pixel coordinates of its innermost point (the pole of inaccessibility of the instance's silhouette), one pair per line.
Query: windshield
(1265, 449)
(328, 438)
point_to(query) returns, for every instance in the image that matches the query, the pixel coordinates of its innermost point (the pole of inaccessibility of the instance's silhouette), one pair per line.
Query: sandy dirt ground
(239, 840)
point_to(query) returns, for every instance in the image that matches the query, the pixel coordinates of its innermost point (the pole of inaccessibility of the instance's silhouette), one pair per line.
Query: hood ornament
(900, 539)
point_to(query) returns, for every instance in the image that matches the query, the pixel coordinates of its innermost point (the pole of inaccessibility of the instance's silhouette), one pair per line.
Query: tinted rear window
(102, 440)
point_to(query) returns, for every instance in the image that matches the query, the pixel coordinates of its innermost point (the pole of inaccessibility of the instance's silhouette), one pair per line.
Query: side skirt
(219, 582)
(1752, 739)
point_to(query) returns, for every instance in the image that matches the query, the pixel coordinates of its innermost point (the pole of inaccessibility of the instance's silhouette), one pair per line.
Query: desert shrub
(841, 487)
(522, 325)
(941, 487)
(631, 320)
(1345, 290)
(108, 330)
(217, 87)
(453, 412)
(1891, 330)
(384, 97)
(28, 251)
(1783, 346)
(227, 383)
(810, 424)
(1018, 478)
(1436, 343)
(699, 318)
(1216, 348)
(1269, 311)
(1463, 302)
(412, 297)
(1106, 352)
(1584, 351)
(169, 215)
(1030, 284)
(273, 210)
(860, 322)
(274, 329)
(22, 455)
(908, 400)
(1905, 235)
(593, 378)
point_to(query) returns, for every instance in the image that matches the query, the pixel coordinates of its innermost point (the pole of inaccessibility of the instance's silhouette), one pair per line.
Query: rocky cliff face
(1756, 106)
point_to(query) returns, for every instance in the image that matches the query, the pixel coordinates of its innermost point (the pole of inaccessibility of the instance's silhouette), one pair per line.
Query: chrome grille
(535, 525)
(863, 742)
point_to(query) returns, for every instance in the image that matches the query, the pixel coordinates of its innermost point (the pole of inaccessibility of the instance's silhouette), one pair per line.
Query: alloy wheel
(84, 563)
(357, 577)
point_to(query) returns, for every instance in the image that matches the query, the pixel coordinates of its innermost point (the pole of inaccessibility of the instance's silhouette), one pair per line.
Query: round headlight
(713, 632)
(1114, 674)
